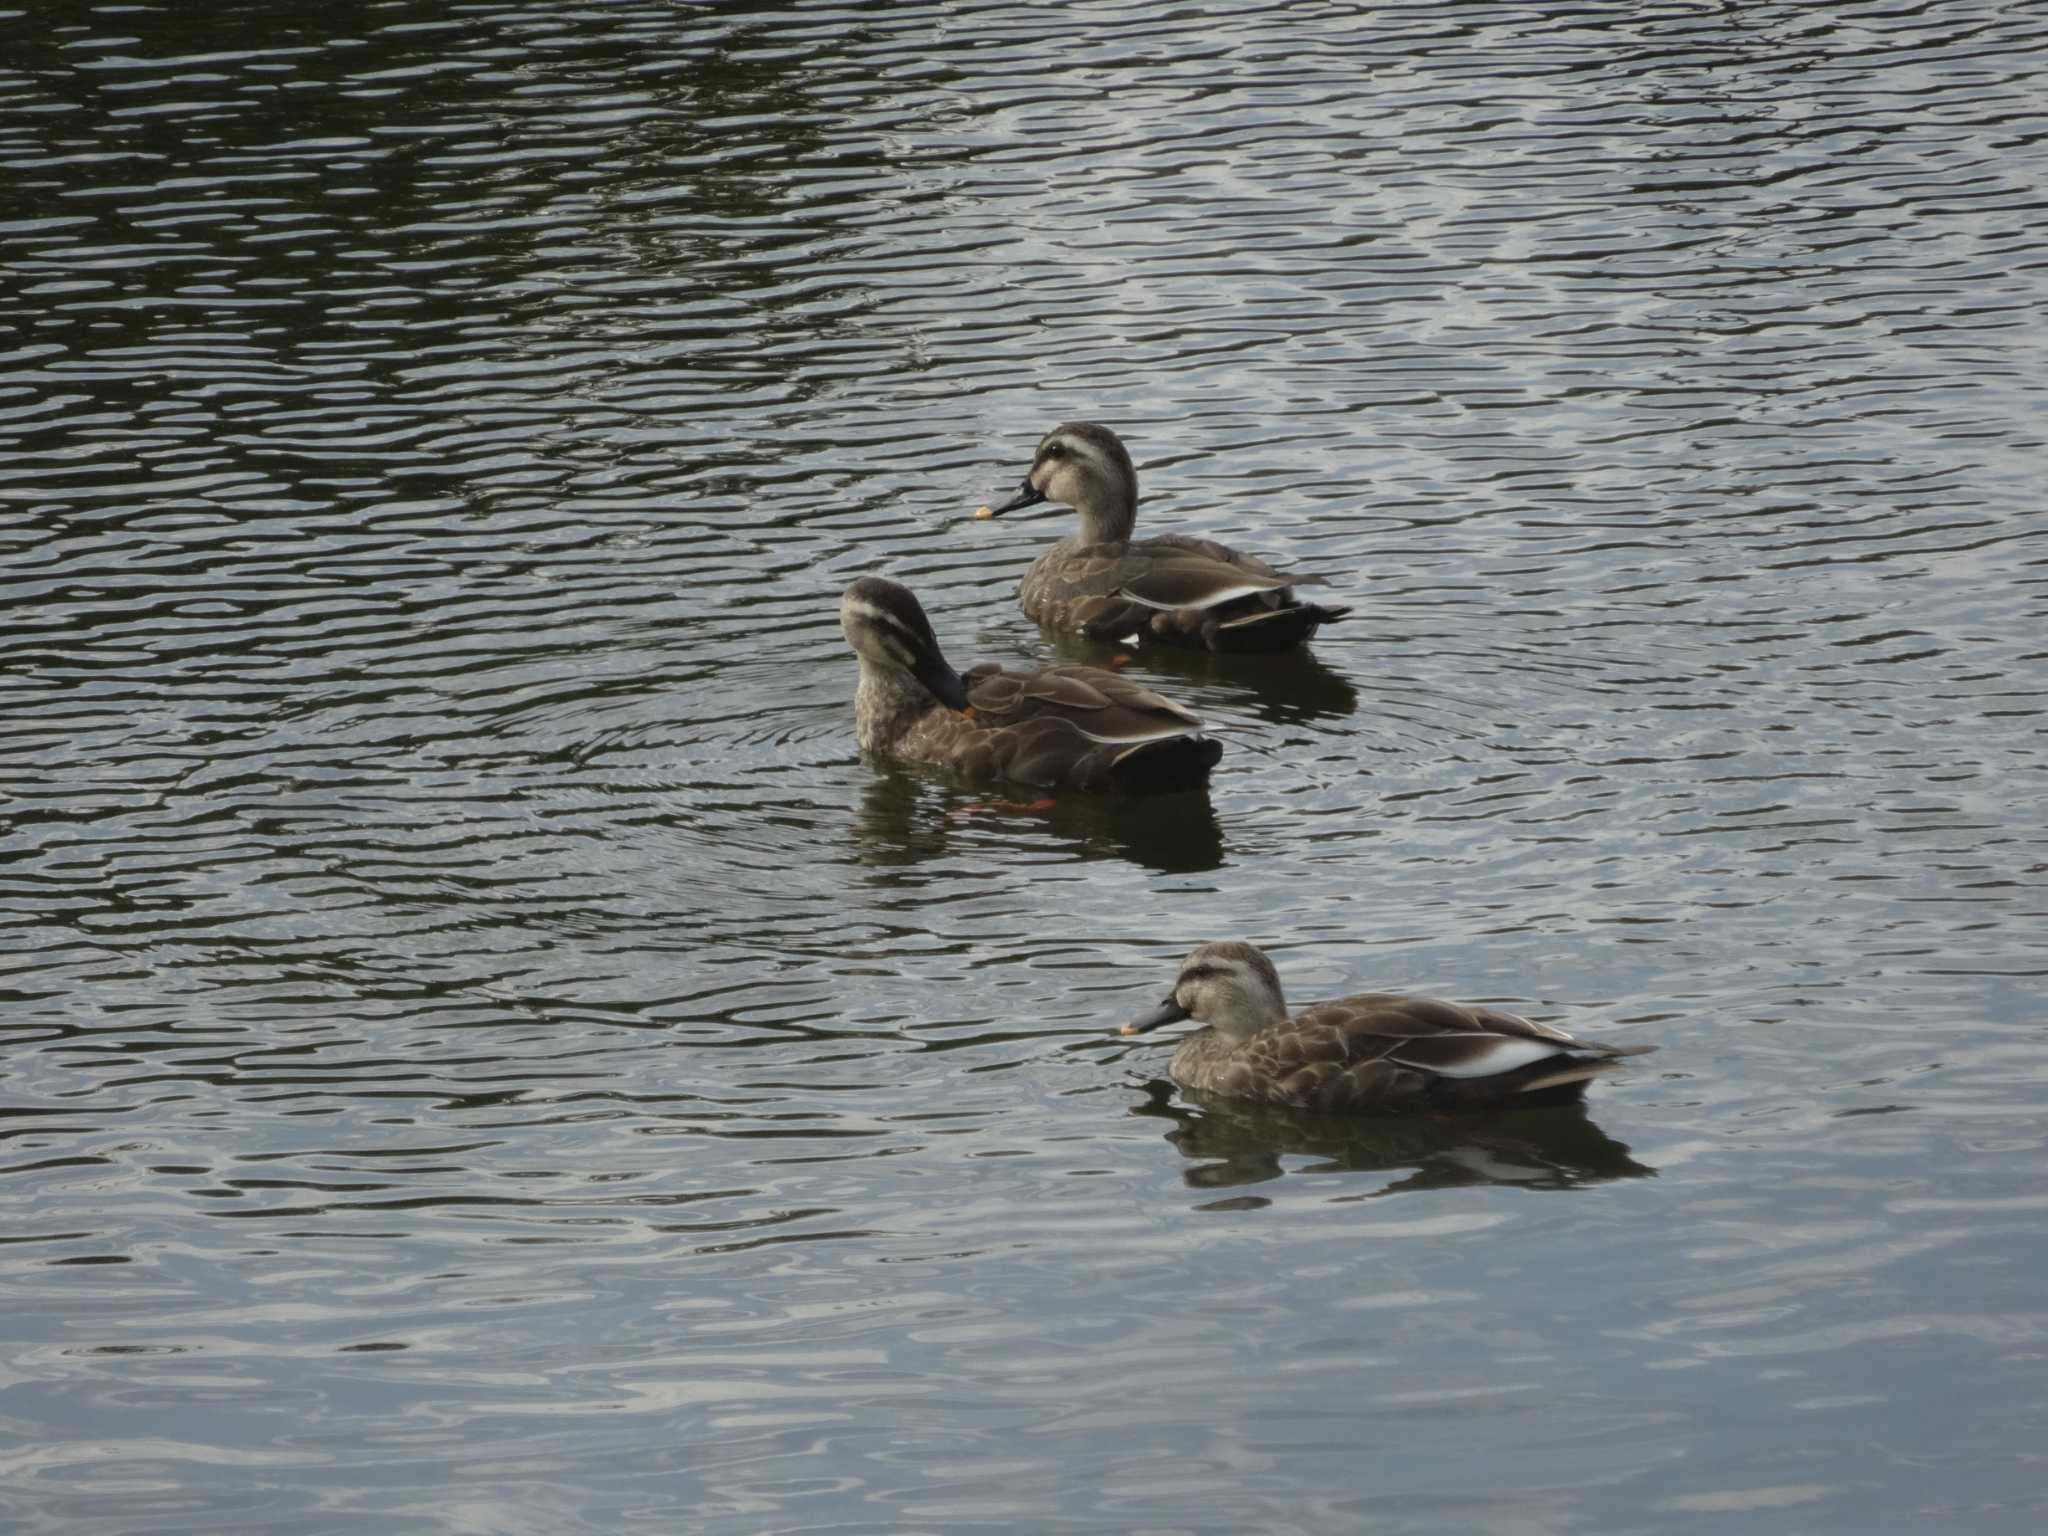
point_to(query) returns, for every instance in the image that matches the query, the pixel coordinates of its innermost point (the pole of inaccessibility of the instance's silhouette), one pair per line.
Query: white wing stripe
(1503, 1055)
(1209, 599)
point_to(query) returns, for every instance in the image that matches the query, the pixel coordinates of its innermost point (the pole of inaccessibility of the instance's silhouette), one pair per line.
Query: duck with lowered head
(1374, 1051)
(1064, 726)
(1172, 589)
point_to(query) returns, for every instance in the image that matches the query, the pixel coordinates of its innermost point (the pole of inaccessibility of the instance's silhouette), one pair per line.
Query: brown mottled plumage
(1062, 727)
(1375, 1051)
(1173, 589)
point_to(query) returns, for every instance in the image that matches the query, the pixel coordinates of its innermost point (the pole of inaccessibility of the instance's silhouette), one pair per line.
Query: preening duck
(1173, 589)
(1063, 726)
(1375, 1051)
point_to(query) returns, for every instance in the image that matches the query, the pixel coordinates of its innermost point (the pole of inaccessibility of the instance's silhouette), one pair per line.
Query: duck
(1174, 589)
(1371, 1052)
(1063, 726)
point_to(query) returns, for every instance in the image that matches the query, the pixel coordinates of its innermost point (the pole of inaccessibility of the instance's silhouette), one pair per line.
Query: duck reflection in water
(910, 816)
(1230, 1143)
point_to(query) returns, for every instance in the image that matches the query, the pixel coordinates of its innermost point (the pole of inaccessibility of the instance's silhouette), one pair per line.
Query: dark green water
(482, 1053)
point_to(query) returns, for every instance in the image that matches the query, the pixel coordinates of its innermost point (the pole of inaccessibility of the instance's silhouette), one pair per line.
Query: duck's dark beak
(1029, 496)
(941, 681)
(1168, 1012)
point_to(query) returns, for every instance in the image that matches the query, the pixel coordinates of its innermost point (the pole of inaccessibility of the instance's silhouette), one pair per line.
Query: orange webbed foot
(963, 811)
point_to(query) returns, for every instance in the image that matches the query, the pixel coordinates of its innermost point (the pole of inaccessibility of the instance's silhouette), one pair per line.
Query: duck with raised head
(1066, 727)
(1374, 1051)
(1172, 589)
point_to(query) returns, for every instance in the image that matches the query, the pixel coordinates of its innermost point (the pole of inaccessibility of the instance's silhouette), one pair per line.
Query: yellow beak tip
(984, 511)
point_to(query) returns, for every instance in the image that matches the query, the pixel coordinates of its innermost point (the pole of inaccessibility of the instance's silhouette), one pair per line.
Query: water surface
(483, 1052)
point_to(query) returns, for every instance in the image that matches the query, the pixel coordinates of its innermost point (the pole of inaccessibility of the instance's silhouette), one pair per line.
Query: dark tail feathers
(1276, 629)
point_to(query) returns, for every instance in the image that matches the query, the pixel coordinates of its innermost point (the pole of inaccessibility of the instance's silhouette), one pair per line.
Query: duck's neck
(888, 702)
(1245, 1016)
(1109, 514)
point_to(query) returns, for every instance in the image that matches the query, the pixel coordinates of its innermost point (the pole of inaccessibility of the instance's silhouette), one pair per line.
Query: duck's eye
(1053, 451)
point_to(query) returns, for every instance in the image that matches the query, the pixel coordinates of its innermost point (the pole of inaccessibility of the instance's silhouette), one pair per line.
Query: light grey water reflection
(481, 1050)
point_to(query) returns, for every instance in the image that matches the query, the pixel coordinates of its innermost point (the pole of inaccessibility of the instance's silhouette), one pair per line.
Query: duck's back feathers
(1070, 726)
(1101, 704)
(1173, 590)
(1382, 1051)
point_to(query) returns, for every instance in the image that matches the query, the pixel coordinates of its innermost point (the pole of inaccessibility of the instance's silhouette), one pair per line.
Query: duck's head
(1231, 985)
(887, 629)
(1087, 468)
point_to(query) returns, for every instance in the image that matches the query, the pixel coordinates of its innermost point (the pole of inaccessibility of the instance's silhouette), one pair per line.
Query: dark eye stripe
(882, 618)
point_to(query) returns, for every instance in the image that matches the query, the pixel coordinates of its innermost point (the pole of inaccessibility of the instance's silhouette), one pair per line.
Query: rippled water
(483, 1053)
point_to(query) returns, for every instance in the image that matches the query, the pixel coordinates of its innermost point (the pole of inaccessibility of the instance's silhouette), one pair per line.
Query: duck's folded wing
(1449, 1040)
(1473, 1055)
(1100, 705)
(1186, 579)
